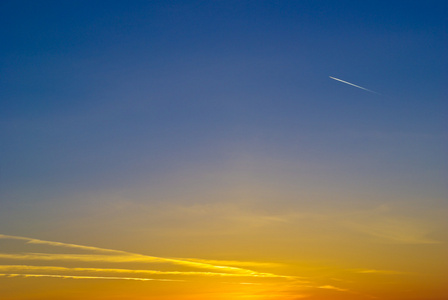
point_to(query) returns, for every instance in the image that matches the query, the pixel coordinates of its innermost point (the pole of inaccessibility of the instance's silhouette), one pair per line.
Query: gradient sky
(199, 150)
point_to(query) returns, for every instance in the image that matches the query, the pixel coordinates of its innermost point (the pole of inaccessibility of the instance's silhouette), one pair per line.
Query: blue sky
(99, 83)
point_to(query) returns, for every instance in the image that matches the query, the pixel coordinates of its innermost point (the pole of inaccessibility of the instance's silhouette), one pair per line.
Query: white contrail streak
(360, 87)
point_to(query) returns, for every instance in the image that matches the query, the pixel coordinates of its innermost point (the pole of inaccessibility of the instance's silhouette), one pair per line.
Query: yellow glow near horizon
(237, 246)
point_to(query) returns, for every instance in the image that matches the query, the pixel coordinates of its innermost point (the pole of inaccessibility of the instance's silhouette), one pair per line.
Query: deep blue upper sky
(100, 93)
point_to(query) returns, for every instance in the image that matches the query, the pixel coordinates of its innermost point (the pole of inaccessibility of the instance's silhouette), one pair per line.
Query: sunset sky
(200, 150)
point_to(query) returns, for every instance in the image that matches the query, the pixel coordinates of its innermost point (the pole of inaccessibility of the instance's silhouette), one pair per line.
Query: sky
(180, 150)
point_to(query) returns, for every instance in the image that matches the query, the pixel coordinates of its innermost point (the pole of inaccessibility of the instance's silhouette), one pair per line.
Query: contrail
(360, 87)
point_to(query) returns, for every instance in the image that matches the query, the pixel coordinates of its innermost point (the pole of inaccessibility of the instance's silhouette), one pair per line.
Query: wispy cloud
(108, 270)
(331, 287)
(394, 230)
(382, 272)
(161, 268)
(58, 244)
(85, 277)
(235, 263)
(387, 223)
(124, 256)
